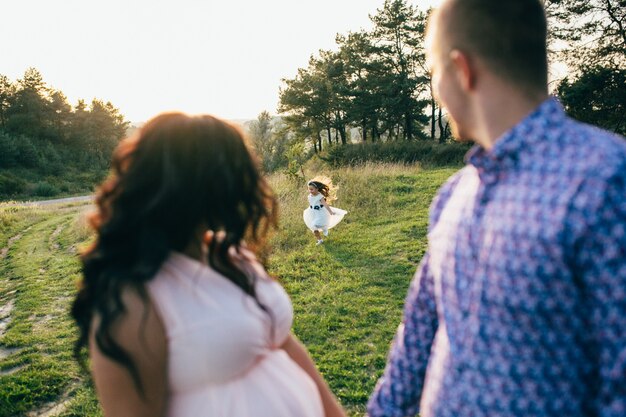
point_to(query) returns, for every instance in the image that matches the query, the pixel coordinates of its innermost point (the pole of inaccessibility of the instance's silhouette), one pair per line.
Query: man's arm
(399, 390)
(600, 256)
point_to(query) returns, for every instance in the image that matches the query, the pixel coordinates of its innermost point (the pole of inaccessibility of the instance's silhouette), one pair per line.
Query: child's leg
(318, 236)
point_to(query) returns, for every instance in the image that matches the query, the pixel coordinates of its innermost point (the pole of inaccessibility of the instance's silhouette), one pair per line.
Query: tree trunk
(433, 109)
(442, 133)
(342, 132)
(408, 132)
(329, 135)
(308, 124)
(319, 141)
(364, 129)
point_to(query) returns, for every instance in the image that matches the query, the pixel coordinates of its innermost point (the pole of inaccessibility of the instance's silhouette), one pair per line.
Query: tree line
(373, 87)
(376, 85)
(590, 37)
(376, 81)
(40, 130)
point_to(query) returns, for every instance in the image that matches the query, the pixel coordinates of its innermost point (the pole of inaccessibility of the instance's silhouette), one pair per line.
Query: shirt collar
(519, 137)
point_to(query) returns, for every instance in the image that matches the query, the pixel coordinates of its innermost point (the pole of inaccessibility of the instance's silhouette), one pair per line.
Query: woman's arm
(299, 354)
(141, 334)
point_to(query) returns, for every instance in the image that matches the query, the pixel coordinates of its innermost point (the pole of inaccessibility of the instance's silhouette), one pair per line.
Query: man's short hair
(509, 35)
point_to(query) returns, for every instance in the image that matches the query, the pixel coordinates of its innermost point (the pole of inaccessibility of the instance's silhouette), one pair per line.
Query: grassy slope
(39, 275)
(347, 293)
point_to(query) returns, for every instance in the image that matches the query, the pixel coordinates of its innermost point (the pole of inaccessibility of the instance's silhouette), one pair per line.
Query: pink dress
(222, 357)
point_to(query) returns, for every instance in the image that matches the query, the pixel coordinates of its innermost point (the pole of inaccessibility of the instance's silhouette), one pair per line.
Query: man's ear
(463, 69)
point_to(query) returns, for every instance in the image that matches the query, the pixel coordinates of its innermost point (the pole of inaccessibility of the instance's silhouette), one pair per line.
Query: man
(519, 305)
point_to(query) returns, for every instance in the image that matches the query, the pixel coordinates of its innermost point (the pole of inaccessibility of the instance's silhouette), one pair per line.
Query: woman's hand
(300, 355)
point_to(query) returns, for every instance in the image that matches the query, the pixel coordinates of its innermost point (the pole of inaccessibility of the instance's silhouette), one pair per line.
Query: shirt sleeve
(399, 390)
(600, 255)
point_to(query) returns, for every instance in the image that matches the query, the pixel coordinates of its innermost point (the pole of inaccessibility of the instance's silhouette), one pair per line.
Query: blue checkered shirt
(518, 307)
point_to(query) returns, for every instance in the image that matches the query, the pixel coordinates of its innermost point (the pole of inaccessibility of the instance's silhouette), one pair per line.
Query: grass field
(347, 293)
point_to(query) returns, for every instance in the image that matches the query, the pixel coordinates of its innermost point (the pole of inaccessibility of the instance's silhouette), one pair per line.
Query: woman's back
(223, 349)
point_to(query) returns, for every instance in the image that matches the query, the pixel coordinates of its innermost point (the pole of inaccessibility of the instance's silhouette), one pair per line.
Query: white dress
(223, 359)
(317, 217)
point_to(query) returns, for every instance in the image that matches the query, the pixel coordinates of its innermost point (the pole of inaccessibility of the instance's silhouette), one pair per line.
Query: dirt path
(50, 202)
(57, 201)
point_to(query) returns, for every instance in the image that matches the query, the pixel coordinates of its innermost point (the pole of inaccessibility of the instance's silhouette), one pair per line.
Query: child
(319, 215)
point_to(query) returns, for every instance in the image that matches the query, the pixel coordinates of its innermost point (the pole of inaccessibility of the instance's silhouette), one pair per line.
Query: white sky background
(200, 56)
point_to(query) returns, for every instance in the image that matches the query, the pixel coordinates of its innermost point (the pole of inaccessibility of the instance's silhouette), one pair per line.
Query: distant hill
(133, 128)
(244, 123)
(241, 122)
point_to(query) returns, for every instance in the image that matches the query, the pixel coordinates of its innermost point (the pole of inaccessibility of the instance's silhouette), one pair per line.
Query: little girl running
(320, 216)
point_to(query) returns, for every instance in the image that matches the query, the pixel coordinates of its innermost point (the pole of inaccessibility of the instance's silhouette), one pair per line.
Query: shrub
(8, 151)
(11, 185)
(44, 189)
(65, 187)
(427, 153)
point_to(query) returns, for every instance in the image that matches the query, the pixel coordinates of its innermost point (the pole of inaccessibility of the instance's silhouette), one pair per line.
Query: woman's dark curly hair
(179, 175)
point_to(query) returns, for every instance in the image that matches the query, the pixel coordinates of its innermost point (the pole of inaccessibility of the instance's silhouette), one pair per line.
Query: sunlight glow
(199, 56)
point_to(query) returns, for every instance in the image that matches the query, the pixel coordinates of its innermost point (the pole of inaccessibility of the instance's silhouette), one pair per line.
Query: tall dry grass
(363, 188)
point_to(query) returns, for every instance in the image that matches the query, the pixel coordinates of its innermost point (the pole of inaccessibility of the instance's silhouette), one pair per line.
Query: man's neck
(499, 110)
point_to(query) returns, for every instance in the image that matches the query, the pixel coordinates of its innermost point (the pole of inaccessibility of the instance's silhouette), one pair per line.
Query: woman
(179, 317)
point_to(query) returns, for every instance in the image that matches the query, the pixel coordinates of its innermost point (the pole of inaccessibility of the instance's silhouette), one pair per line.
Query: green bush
(44, 189)
(8, 151)
(65, 187)
(427, 153)
(11, 185)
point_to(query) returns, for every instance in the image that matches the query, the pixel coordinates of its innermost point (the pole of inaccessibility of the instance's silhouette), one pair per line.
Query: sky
(225, 58)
